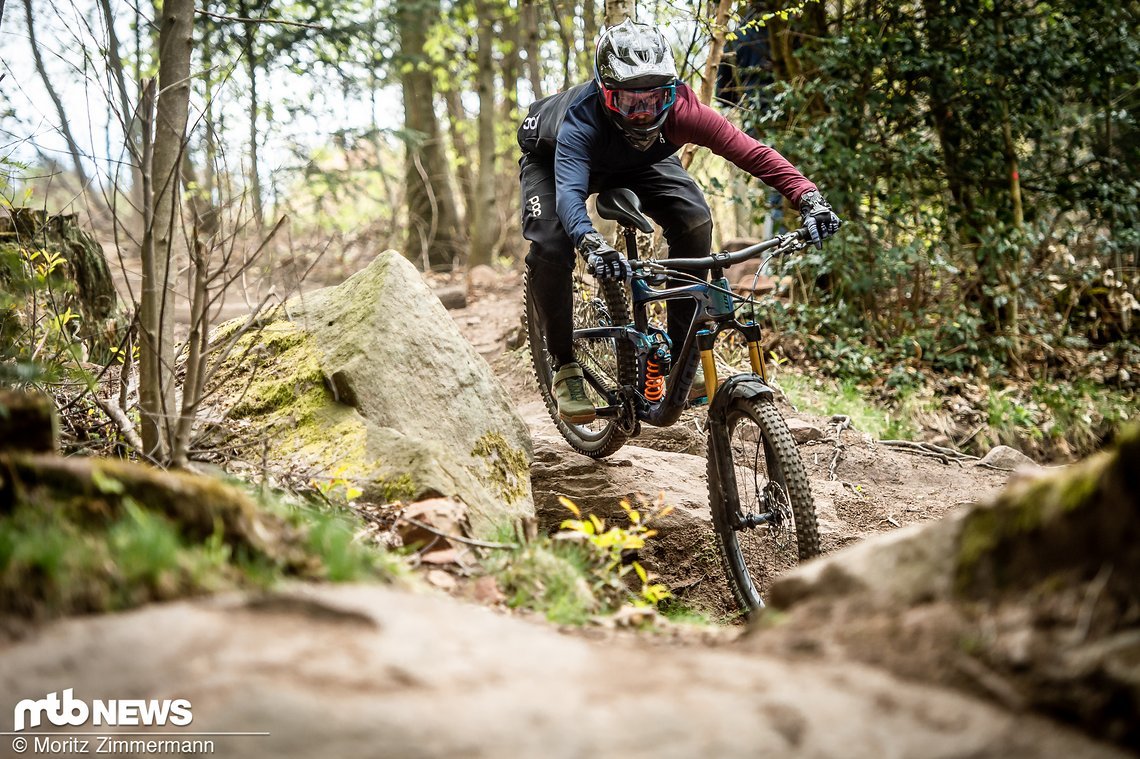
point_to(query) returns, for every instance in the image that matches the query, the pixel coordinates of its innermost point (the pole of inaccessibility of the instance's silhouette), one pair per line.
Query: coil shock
(656, 367)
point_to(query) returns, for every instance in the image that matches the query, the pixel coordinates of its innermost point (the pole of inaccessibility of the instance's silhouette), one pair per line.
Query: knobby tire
(750, 568)
(611, 437)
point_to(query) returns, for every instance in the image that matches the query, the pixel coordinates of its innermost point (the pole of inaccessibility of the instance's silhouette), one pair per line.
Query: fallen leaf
(442, 556)
(485, 590)
(441, 580)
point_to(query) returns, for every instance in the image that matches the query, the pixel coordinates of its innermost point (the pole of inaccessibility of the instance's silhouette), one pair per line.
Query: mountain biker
(622, 129)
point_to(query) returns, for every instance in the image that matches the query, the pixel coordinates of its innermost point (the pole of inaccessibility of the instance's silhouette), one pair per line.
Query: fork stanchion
(756, 358)
(705, 342)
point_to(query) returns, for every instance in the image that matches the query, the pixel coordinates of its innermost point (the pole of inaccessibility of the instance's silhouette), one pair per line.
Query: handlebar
(725, 259)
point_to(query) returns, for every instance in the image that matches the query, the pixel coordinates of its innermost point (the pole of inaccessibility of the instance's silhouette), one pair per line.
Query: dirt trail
(874, 489)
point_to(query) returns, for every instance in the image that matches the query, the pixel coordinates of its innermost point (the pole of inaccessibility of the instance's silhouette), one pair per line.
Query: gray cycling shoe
(570, 391)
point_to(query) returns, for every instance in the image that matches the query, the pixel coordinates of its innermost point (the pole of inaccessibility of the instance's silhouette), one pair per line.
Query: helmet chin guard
(637, 78)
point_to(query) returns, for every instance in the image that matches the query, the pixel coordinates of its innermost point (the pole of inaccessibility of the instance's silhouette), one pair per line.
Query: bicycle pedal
(702, 401)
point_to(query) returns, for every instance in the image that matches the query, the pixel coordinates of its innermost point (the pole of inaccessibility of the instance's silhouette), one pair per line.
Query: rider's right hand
(601, 257)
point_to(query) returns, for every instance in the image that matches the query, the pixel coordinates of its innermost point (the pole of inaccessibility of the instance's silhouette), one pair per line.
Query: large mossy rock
(371, 382)
(1032, 599)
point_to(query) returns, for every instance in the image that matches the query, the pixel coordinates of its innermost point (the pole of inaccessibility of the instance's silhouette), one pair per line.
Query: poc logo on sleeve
(530, 123)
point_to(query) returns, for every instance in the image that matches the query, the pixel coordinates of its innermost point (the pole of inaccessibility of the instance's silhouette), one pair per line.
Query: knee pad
(549, 245)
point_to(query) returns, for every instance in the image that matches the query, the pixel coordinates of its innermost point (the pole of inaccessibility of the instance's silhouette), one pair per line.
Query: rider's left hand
(820, 220)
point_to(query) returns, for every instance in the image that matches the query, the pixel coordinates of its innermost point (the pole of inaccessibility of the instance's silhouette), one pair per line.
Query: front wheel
(762, 511)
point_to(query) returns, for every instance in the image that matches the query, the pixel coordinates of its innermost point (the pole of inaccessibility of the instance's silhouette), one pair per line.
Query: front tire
(762, 467)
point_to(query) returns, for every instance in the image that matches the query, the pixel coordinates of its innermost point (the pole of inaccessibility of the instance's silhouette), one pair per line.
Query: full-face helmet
(637, 76)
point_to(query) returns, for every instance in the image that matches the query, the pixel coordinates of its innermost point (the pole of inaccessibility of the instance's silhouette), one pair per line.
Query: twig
(841, 423)
(929, 448)
(1092, 595)
(119, 417)
(456, 538)
(970, 437)
(279, 21)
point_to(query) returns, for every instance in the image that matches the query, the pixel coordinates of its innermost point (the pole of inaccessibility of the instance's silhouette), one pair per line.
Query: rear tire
(764, 462)
(611, 362)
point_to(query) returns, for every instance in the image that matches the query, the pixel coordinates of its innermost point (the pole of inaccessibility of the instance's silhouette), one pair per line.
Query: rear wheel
(774, 527)
(608, 364)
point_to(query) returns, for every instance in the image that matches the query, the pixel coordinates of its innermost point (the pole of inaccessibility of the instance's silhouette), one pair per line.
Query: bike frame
(715, 313)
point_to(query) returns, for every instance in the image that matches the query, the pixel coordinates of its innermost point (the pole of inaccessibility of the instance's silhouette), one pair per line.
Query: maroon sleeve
(690, 120)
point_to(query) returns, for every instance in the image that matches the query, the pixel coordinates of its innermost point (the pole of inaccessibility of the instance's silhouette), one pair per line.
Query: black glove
(601, 257)
(820, 220)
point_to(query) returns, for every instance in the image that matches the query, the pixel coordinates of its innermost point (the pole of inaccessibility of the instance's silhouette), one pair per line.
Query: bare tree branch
(276, 21)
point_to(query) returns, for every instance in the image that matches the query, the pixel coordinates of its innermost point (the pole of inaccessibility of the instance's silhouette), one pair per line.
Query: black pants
(668, 195)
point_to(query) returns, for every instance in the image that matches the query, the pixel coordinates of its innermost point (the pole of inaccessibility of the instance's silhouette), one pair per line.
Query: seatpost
(630, 242)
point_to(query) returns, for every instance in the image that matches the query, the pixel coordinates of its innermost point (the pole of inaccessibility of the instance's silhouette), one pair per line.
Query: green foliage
(584, 570)
(1070, 418)
(60, 556)
(901, 118)
(827, 397)
(39, 337)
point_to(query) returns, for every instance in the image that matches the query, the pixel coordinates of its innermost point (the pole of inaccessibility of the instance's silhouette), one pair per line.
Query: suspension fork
(706, 339)
(751, 332)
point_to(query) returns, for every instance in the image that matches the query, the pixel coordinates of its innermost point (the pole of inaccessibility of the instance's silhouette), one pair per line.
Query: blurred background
(984, 156)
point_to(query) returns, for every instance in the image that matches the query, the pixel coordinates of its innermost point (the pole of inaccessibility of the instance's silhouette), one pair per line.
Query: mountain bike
(763, 517)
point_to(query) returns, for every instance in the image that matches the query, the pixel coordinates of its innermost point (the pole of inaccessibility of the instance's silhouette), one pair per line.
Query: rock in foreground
(354, 671)
(1031, 599)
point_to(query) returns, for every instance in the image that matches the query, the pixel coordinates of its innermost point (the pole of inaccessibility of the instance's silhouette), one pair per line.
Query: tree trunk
(589, 35)
(465, 165)
(529, 18)
(716, 52)
(1011, 274)
(566, 37)
(248, 45)
(484, 219)
(131, 125)
(435, 238)
(157, 309)
(512, 60)
(64, 125)
(619, 10)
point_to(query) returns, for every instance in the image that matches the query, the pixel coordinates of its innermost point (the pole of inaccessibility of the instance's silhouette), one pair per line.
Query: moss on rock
(1073, 519)
(508, 467)
(371, 382)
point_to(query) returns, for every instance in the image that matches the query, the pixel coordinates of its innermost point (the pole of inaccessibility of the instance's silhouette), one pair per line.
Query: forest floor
(341, 670)
(860, 486)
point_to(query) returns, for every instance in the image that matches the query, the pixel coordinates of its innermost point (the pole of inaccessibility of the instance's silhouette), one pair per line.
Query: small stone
(486, 590)
(1004, 457)
(802, 432)
(482, 277)
(28, 422)
(452, 297)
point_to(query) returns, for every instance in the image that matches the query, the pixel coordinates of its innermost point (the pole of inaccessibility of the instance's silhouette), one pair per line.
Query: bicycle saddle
(622, 206)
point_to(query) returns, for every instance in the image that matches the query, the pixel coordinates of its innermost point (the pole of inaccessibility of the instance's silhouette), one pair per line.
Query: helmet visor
(641, 106)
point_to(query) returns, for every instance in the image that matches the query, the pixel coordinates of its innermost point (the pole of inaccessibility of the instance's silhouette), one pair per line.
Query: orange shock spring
(654, 378)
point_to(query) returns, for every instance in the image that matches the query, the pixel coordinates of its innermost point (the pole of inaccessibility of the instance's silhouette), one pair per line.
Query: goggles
(640, 105)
